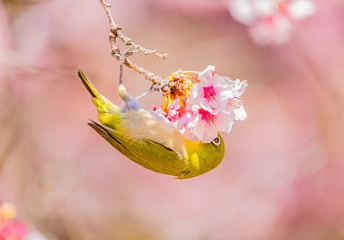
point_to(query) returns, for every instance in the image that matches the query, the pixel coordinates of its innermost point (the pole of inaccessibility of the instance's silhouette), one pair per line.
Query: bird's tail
(88, 84)
(109, 113)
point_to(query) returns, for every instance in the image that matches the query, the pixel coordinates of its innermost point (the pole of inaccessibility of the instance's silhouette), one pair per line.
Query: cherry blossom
(210, 93)
(13, 230)
(209, 105)
(188, 122)
(234, 104)
(10, 229)
(270, 21)
(210, 123)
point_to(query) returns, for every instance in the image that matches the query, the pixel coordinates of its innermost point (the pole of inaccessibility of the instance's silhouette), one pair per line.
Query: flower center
(283, 7)
(209, 93)
(207, 116)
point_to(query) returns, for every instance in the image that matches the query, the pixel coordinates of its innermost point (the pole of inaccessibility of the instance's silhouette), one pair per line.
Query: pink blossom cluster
(10, 229)
(209, 106)
(270, 21)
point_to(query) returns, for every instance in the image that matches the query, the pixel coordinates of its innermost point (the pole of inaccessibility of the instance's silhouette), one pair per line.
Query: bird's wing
(148, 153)
(101, 130)
(142, 124)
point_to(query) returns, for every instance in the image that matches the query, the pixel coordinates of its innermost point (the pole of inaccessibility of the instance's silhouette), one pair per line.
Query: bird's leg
(122, 58)
(130, 102)
(122, 92)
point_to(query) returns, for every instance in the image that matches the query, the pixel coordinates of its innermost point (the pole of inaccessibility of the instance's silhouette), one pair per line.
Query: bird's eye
(216, 141)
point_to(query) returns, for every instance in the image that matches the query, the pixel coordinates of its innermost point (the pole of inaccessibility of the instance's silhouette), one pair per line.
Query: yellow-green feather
(202, 157)
(147, 153)
(109, 114)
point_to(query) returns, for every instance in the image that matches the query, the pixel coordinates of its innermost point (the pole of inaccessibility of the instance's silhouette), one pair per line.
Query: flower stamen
(209, 93)
(206, 116)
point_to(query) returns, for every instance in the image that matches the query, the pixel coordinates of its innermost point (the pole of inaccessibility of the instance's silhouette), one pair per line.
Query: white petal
(35, 235)
(206, 77)
(200, 130)
(240, 113)
(242, 11)
(264, 33)
(206, 105)
(301, 9)
(242, 87)
(210, 135)
(224, 122)
(219, 104)
(196, 93)
(239, 88)
(221, 81)
(264, 8)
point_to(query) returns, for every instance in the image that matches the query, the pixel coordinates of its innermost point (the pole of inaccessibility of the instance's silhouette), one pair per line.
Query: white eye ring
(216, 141)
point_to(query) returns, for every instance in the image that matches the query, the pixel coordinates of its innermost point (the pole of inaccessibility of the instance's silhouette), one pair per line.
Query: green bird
(149, 139)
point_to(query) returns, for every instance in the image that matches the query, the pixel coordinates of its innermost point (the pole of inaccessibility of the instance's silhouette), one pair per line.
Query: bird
(149, 139)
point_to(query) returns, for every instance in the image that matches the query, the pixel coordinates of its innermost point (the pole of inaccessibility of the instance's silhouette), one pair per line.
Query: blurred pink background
(283, 173)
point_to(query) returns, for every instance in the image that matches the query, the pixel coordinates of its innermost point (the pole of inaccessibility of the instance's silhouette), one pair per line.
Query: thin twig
(115, 32)
(155, 79)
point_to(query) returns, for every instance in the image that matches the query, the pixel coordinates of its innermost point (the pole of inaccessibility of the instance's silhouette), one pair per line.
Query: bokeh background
(283, 174)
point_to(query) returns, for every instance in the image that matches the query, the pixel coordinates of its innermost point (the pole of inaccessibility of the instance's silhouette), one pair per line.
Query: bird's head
(203, 157)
